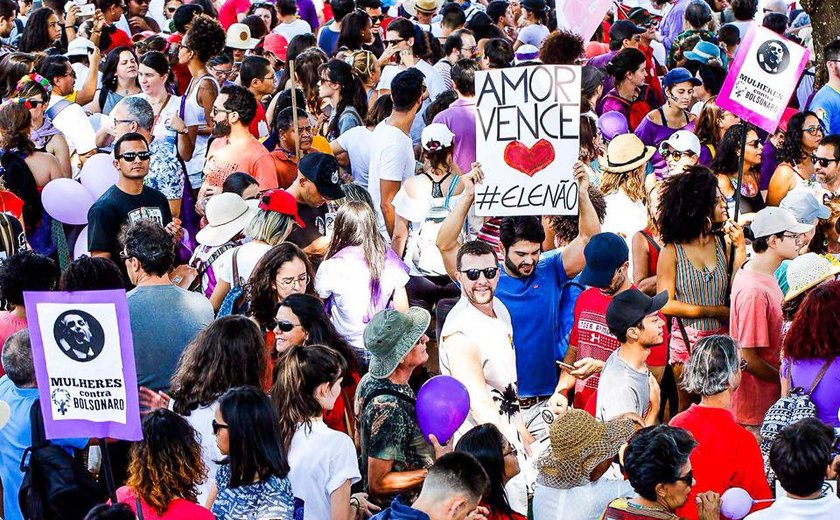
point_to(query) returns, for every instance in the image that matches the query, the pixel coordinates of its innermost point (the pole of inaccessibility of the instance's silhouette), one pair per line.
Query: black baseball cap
(629, 307)
(322, 170)
(624, 30)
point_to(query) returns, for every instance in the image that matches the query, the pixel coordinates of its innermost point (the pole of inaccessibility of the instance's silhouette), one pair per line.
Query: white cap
(683, 141)
(526, 53)
(239, 37)
(773, 220)
(79, 47)
(436, 136)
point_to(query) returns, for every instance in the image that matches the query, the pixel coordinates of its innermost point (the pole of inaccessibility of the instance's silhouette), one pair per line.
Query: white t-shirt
(433, 80)
(580, 502)
(624, 217)
(823, 508)
(533, 35)
(290, 30)
(247, 257)
(201, 419)
(320, 461)
(74, 124)
(173, 106)
(358, 144)
(82, 74)
(391, 160)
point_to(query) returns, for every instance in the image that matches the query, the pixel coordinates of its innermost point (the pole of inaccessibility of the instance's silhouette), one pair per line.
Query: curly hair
(166, 464)
(686, 204)
(262, 289)
(804, 341)
(26, 271)
(148, 242)
(13, 67)
(791, 151)
(561, 48)
(728, 152)
(566, 226)
(825, 228)
(15, 121)
(230, 352)
(35, 37)
(91, 273)
(655, 455)
(206, 37)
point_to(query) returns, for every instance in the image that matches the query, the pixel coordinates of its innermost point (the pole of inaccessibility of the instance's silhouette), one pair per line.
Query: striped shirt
(701, 286)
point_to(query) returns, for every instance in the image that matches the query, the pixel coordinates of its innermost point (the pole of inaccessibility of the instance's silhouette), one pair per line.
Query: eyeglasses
(814, 130)
(218, 426)
(794, 236)
(488, 272)
(823, 161)
(216, 111)
(301, 281)
(229, 74)
(676, 154)
(377, 18)
(688, 478)
(394, 42)
(267, 78)
(511, 450)
(756, 143)
(470, 49)
(133, 156)
(285, 326)
(126, 121)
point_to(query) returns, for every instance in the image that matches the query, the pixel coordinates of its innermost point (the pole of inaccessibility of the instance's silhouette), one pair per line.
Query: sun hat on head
(626, 152)
(239, 37)
(412, 7)
(807, 271)
(805, 206)
(390, 335)
(579, 442)
(436, 136)
(227, 215)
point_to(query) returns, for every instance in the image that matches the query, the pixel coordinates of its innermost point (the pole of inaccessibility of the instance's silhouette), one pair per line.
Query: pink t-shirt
(9, 324)
(179, 509)
(755, 321)
(229, 10)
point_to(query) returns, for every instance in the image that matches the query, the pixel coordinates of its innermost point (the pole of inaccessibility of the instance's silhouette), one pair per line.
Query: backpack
(55, 485)
(235, 301)
(189, 276)
(789, 409)
(636, 110)
(424, 252)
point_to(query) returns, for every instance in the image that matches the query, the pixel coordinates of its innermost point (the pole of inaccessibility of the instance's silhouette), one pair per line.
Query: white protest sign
(527, 140)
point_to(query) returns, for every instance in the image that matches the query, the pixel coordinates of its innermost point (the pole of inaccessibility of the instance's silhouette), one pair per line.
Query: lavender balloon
(613, 124)
(67, 201)
(442, 405)
(735, 503)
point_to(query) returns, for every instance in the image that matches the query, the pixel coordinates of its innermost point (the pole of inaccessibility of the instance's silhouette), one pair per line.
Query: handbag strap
(139, 507)
(452, 185)
(683, 333)
(820, 375)
(235, 267)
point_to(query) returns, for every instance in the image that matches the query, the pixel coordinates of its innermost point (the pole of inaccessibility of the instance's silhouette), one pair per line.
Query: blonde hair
(362, 62)
(269, 227)
(632, 182)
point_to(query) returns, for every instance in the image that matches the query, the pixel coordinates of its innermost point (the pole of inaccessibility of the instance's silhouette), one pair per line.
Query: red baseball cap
(276, 44)
(282, 202)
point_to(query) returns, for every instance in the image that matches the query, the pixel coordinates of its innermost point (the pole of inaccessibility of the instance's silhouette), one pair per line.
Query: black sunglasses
(218, 426)
(133, 156)
(284, 326)
(473, 274)
(377, 18)
(394, 41)
(688, 478)
(823, 161)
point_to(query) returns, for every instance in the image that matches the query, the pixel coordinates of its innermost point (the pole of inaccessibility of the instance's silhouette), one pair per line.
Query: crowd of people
(293, 223)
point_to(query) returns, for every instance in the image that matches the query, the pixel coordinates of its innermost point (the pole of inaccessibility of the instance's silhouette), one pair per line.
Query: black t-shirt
(316, 225)
(116, 209)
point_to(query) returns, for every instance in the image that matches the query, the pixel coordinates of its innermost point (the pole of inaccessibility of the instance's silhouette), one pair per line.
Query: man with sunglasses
(827, 166)
(826, 102)
(755, 313)
(128, 201)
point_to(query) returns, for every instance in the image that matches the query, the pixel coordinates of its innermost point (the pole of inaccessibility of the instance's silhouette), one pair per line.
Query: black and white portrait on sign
(773, 57)
(79, 335)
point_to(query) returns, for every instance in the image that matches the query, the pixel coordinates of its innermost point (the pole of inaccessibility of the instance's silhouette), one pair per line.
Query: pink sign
(762, 78)
(582, 16)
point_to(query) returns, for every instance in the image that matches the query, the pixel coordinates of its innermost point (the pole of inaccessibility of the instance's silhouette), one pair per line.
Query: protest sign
(582, 16)
(762, 78)
(84, 363)
(527, 140)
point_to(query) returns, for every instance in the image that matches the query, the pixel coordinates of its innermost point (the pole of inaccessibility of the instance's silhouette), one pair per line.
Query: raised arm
(588, 224)
(447, 239)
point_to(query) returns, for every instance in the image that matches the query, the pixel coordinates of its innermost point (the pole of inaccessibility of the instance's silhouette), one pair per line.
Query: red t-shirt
(179, 509)
(593, 339)
(230, 9)
(651, 78)
(254, 127)
(726, 456)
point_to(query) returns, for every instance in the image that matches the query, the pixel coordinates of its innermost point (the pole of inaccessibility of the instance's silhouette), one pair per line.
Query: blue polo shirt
(536, 308)
(826, 104)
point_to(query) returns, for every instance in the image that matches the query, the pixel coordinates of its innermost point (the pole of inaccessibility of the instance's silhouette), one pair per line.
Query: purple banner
(84, 363)
(762, 78)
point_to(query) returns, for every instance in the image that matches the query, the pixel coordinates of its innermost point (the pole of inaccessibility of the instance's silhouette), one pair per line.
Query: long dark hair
(109, 70)
(791, 151)
(255, 445)
(13, 67)
(262, 293)
(35, 35)
(352, 26)
(314, 320)
(486, 443)
(351, 91)
(728, 152)
(300, 370)
(158, 62)
(230, 352)
(686, 205)
(407, 29)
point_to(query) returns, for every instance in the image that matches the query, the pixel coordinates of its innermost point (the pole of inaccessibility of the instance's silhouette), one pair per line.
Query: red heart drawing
(529, 160)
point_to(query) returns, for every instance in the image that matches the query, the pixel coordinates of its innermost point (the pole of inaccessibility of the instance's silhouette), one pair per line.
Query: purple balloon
(442, 405)
(612, 124)
(98, 174)
(67, 201)
(735, 503)
(81, 247)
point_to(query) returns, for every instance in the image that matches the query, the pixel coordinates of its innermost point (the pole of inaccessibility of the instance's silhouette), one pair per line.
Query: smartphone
(566, 366)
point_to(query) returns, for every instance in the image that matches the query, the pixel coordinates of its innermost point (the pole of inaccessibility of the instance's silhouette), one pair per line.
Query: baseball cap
(624, 30)
(79, 47)
(277, 45)
(436, 136)
(772, 220)
(322, 170)
(526, 53)
(640, 16)
(680, 75)
(805, 207)
(281, 201)
(604, 253)
(703, 52)
(683, 141)
(629, 307)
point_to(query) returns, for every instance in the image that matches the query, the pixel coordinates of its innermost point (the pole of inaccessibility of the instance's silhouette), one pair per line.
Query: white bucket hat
(239, 37)
(227, 215)
(807, 271)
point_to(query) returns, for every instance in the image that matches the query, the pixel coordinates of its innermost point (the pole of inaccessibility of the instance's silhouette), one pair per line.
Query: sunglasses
(28, 103)
(823, 161)
(394, 41)
(377, 18)
(688, 478)
(676, 154)
(285, 326)
(756, 143)
(473, 274)
(218, 426)
(133, 156)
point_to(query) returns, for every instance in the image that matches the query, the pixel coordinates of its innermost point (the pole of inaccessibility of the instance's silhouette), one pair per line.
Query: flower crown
(37, 78)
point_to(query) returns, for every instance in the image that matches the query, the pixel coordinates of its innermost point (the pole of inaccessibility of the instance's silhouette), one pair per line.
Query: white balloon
(81, 247)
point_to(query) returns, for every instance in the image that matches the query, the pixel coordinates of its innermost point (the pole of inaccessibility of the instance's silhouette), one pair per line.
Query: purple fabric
(825, 396)
(769, 163)
(460, 119)
(652, 135)
(602, 60)
(392, 261)
(705, 156)
(611, 104)
(672, 25)
(307, 13)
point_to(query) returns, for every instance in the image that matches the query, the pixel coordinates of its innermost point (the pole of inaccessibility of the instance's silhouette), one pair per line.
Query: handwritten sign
(84, 364)
(527, 140)
(762, 78)
(582, 16)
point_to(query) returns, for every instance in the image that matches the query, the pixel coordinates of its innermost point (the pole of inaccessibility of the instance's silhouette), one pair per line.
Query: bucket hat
(390, 335)
(227, 215)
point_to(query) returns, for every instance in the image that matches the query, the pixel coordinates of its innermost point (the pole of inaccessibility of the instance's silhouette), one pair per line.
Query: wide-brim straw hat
(807, 271)
(626, 152)
(227, 215)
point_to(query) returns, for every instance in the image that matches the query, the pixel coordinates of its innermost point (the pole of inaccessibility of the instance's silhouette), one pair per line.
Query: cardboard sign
(762, 78)
(84, 363)
(527, 140)
(582, 16)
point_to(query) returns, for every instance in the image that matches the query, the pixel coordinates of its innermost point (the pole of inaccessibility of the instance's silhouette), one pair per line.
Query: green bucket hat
(390, 335)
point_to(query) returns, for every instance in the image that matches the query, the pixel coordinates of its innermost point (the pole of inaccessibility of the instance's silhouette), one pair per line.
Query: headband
(37, 78)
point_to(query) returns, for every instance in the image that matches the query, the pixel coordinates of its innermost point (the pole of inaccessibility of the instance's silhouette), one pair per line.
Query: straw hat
(423, 6)
(626, 152)
(579, 443)
(807, 271)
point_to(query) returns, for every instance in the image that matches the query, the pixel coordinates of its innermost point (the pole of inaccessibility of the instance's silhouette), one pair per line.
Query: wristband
(354, 502)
